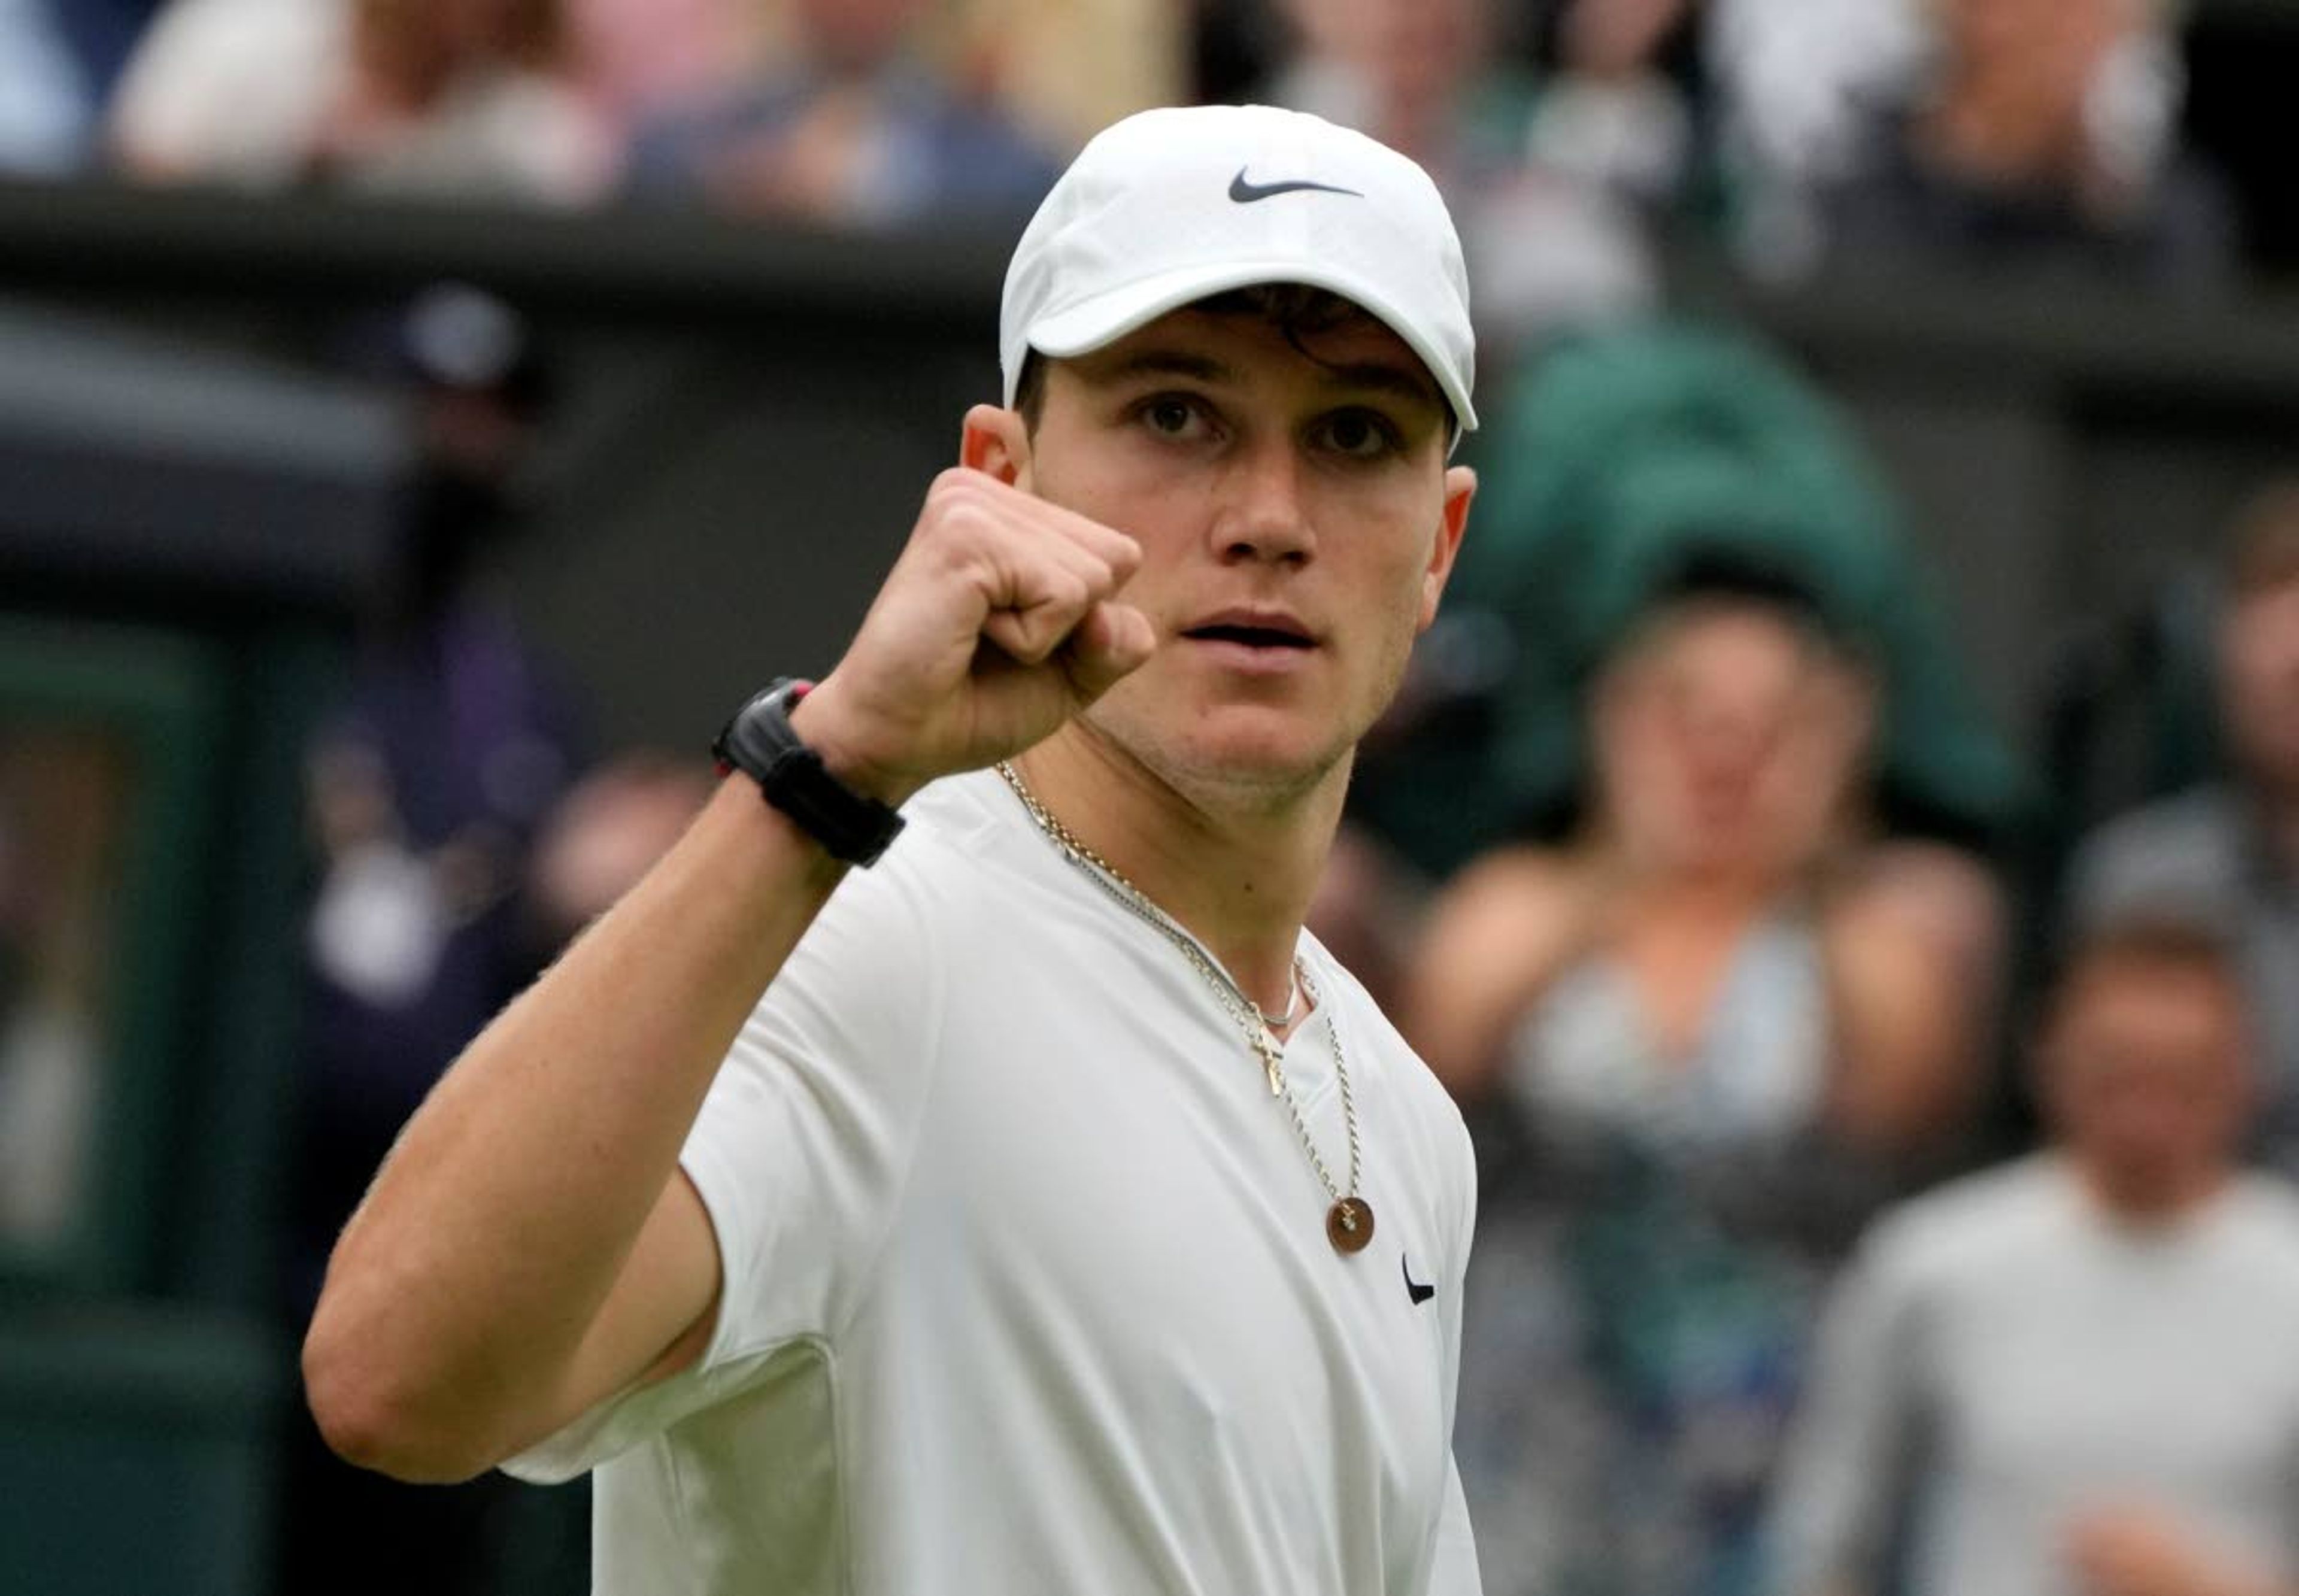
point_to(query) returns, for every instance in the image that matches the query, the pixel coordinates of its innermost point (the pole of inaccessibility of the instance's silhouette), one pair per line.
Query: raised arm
(1496, 937)
(1914, 945)
(529, 1247)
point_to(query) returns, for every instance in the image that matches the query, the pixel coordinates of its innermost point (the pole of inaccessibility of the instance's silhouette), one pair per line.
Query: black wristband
(761, 742)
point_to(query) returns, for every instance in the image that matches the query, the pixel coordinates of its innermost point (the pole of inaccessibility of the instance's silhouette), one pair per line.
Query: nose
(1264, 511)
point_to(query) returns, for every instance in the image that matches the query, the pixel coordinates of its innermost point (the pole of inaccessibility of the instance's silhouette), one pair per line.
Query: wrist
(761, 742)
(820, 717)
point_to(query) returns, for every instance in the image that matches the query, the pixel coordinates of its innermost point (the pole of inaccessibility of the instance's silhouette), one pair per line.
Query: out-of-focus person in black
(459, 843)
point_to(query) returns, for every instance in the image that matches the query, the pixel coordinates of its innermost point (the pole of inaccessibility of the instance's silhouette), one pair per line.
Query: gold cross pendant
(1272, 1061)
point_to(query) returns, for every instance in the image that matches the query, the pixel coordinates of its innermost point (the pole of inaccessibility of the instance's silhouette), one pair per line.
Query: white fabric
(2009, 1358)
(242, 91)
(1161, 209)
(1027, 1280)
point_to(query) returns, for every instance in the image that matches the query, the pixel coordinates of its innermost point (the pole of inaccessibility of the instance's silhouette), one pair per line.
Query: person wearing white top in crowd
(2073, 1375)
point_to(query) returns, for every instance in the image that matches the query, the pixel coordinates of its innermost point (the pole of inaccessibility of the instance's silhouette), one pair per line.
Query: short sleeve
(801, 1154)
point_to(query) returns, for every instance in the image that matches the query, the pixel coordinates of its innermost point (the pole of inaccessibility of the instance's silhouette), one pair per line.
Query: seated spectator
(1068, 69)
(1977, 132)
(1720, 1016)
(635, 61)
(2229, 851)
(853, 129)
(465, 99)
(2073, 1375)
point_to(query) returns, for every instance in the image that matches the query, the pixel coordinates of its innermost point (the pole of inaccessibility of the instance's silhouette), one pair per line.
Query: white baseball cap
(1171, 206)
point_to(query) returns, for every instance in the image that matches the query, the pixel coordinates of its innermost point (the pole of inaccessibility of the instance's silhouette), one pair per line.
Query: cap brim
(1092, 323)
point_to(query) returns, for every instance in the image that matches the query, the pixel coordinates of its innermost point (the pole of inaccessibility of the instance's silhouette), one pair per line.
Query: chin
(1253, 757)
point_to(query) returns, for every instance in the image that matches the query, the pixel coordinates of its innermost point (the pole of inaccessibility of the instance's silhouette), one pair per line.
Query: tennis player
(1040, 1207)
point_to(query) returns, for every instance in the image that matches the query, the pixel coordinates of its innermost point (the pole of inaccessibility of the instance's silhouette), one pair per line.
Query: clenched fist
(998, 621)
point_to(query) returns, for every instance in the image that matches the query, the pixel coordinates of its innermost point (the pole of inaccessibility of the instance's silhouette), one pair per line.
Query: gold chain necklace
(1348, 1222)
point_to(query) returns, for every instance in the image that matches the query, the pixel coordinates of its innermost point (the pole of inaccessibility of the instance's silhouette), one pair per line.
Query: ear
(1460, 487)
(997, 442)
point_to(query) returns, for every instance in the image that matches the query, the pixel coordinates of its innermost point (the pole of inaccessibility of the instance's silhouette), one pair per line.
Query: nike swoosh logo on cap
(1246, 193)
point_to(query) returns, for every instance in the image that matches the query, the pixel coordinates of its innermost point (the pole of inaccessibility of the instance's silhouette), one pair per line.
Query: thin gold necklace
(1348, 1221)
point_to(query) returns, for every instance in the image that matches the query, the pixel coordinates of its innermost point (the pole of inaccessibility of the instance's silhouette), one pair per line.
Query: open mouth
(1250, 637)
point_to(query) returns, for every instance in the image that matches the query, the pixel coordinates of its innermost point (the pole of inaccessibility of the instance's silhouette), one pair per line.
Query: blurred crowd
(1793, 130)
(1883, 1189)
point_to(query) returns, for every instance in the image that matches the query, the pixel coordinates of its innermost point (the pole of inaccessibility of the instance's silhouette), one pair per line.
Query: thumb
(1109, 643)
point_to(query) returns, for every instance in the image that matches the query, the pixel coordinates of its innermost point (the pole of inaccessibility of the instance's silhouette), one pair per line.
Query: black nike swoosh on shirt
(1414, 1289)
(1246, 193)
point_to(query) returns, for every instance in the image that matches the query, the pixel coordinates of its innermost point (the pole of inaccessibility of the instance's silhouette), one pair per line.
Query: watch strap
(759, 741)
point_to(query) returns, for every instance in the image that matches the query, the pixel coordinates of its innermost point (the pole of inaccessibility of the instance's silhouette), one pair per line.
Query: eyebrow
(1378, 377)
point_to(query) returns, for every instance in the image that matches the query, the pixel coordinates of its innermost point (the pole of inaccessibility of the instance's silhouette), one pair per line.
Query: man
(1060, 1216)
(2077, 1369)
(2228, 850)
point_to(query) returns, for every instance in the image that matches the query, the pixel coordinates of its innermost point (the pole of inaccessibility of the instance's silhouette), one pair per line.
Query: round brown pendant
(1348, 1225)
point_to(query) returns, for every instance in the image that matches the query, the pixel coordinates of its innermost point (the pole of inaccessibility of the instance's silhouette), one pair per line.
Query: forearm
(463, 1290)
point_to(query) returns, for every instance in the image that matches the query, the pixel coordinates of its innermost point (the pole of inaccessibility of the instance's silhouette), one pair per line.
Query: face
(1728, 742)
(2032, 62)
(2145, 1075)
(1297, 521)
(2259, 675)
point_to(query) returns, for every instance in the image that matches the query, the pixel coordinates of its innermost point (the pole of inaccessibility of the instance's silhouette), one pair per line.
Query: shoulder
(1928, 885)
(2263, 1212)
(1519, 878)
(1511, 908)
(1970, 1227)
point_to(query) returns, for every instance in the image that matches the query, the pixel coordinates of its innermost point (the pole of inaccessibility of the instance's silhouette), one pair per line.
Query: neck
(2150, 1200)
(1237, 873)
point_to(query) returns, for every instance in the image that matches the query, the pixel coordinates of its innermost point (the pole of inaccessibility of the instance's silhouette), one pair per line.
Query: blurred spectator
(2072, 1377)
(1614, 110)
(637, 59)
(854, 127)
(2229, 851)
(1975, 131)
(456, 851)
(1720, 1019)
(1068, 69)
(466, 99)
(1546, 177)
(47, 105)
(1611, 454)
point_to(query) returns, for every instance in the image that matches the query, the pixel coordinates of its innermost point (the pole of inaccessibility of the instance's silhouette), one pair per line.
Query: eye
(1359, 434)
(1172, 415)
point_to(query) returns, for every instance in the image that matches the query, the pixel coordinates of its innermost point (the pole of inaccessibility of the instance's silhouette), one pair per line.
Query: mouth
(1254, 632)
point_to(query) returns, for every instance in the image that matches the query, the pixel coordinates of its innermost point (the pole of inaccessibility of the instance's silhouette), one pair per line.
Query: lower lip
(1251, 658)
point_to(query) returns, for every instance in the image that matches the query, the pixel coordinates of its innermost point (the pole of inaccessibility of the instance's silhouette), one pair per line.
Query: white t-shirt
(1027, 1285)
(2004, 1357)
